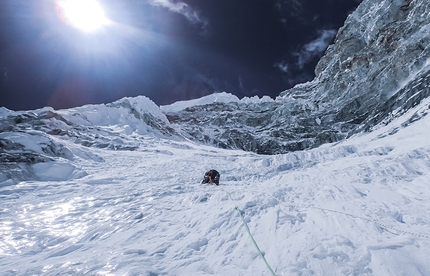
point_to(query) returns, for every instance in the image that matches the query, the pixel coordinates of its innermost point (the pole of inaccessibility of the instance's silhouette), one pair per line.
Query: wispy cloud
(193, 15)
(315, 48)
(283, 66)
(292, 68)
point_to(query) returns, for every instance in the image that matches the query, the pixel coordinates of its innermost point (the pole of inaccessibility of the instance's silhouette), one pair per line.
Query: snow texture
(114, 189)
(358, 207)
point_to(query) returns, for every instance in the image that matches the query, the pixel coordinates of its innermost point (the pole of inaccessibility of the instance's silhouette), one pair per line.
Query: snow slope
(359, 207)
(114, 189)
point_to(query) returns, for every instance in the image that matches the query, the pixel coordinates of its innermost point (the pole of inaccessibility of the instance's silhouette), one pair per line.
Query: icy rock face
(378, 68)
(262, 127)
(381, 48)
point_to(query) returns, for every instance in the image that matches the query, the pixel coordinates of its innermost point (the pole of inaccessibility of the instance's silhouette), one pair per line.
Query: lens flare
(86, 15)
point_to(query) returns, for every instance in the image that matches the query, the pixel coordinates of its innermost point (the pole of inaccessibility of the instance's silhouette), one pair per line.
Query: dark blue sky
(166, 50)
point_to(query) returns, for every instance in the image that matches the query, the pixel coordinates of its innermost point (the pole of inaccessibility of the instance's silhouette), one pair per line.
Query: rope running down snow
(371, 220)
(249, 232)
(346, 214)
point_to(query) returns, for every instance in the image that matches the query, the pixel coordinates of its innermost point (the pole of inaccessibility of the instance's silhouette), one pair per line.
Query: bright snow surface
(359, 207)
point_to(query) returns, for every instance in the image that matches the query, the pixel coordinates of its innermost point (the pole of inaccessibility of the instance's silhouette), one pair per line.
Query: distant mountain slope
(42, 136)
(377, 68)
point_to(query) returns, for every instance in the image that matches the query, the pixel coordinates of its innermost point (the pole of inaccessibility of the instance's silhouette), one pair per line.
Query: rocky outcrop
(377, 68)
(382, 48)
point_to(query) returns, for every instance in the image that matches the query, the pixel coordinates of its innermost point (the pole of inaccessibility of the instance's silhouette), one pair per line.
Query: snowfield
(114, 189)
(359, 207)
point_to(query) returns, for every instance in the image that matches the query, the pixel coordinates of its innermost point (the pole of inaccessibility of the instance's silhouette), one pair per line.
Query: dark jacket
(211, 177)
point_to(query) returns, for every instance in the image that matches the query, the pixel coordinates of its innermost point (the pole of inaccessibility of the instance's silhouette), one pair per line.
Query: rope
(373, 221)
(347, 214)
(249, 232)
(317, 208)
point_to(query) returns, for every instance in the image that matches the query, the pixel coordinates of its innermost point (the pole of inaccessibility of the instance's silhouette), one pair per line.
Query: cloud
(283, 66)
(315, 48)
(193, 15)
(292, 67)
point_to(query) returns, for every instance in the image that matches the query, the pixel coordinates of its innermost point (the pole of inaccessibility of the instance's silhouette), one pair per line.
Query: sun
(86, 15)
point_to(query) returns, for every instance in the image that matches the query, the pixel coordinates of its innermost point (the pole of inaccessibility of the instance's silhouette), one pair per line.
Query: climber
(211, 177)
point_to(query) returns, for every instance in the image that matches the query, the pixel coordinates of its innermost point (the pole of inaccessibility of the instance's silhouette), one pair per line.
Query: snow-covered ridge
(51, 136)
(121, 112)
(221, 97)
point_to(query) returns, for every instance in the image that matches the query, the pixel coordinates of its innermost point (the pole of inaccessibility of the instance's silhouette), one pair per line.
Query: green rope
(373, 221)
(249, 232)
(376, 222)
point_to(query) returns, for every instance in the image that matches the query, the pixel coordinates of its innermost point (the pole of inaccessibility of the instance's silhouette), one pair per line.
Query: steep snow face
(357, 207)
(377, 68)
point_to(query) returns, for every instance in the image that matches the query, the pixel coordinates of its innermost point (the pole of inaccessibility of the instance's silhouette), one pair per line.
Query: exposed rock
(378, 68)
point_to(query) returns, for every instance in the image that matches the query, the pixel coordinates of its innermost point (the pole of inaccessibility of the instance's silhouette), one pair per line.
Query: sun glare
(86, 15)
